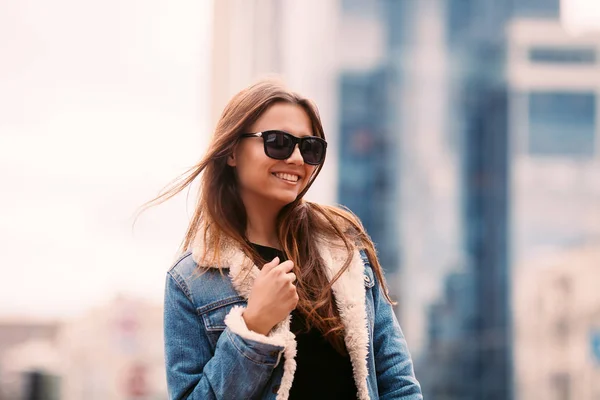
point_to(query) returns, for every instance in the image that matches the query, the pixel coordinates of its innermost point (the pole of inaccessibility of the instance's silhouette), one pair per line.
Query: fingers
(270, 265)
(291, 276)
(285, 266)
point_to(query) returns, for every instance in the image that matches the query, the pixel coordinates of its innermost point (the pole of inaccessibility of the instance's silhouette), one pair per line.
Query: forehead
(286, 117)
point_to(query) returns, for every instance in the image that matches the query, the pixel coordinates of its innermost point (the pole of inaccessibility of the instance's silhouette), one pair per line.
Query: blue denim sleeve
(238, 369)
(393, 363)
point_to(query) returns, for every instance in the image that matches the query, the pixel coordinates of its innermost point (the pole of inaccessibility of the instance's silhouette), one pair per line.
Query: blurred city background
(464, 133)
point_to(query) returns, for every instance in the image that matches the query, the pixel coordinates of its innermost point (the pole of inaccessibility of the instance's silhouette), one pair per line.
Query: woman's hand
(273, 296)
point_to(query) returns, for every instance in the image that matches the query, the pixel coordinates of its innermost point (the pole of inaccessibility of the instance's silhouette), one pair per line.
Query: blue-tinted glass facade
(476, 22)
(562, 124)
(469, 343)
(486, 216)
(468, 351)
(451, 330)
(367, 168)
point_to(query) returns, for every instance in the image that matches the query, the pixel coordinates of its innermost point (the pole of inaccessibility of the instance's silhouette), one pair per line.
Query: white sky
(101, 105)
(580, 16)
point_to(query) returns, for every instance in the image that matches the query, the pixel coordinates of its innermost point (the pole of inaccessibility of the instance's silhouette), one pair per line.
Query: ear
(231, 160)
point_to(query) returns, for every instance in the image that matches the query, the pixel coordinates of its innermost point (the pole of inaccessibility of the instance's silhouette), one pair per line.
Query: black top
(321, 372)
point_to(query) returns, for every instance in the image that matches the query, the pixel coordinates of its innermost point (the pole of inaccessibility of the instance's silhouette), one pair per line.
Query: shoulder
(200, 285)
(184, 266)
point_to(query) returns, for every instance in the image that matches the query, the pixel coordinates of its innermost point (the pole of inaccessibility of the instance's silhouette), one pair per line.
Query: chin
(283, 199)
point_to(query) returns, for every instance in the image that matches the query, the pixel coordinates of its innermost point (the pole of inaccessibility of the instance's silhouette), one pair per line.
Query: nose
(296, 157)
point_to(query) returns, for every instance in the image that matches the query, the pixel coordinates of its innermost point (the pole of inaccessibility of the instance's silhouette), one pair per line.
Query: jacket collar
(349, 294)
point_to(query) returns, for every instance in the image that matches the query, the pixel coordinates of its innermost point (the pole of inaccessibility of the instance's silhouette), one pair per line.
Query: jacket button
(275, 389)
(367, 279)
(274, 353)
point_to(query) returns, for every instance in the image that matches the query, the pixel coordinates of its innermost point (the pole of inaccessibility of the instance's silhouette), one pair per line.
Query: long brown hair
(221, 215)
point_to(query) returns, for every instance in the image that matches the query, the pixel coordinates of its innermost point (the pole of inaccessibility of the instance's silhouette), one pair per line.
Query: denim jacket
(211, 354)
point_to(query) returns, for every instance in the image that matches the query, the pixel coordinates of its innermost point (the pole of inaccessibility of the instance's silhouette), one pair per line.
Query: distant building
(530, 112)
(368, 146)
(450, 109)
(555, 135)
(555, 184)
(25, 346)
(14, 332)
(113, 352)
(452, 342)
(557, 326)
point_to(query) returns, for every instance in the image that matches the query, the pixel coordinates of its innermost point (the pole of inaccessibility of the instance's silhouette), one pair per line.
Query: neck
(261, 227)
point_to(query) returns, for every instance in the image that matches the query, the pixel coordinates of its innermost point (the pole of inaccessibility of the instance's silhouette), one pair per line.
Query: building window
(556, 55)
(562, 124)
(537, 8)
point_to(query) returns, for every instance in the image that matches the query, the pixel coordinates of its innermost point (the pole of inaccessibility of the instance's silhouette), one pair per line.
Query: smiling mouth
(287, 177)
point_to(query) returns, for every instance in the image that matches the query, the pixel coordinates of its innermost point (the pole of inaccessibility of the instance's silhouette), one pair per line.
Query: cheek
(253, 169)
(248, 176)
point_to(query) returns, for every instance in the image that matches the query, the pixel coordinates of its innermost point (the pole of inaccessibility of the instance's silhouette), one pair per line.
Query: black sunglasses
(280, 145)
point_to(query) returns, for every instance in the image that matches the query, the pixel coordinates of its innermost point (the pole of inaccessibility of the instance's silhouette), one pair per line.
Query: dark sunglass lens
(278, 145)
(313, 151)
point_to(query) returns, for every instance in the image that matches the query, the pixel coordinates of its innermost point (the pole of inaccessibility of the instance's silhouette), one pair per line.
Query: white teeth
(287, 177)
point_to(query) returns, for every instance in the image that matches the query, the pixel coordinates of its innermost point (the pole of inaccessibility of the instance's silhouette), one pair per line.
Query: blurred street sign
(595, 343)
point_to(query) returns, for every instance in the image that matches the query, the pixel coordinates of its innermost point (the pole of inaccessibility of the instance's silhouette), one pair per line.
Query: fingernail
(276, 258)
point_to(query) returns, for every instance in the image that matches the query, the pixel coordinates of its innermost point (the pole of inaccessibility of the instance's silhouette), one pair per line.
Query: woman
(277, 297)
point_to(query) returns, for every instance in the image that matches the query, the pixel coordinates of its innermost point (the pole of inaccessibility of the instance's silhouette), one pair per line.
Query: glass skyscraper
(420, 108)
